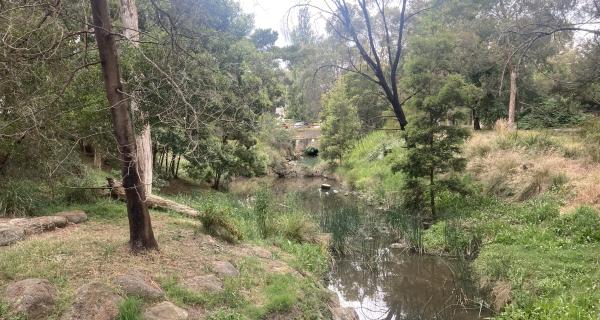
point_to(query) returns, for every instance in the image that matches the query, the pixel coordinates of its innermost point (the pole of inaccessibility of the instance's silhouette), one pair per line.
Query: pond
(372, 274)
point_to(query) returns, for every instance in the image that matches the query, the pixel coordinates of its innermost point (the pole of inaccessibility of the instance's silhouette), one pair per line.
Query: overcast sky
(272, 14)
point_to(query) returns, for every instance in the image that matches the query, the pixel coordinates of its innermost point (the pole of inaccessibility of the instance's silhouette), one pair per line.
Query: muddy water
(370, 274)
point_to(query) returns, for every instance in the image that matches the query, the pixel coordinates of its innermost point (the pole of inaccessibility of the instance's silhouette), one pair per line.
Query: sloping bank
(265, 268)
(529, 220)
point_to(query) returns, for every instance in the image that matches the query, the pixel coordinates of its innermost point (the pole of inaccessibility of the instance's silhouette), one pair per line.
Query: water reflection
(379, 282)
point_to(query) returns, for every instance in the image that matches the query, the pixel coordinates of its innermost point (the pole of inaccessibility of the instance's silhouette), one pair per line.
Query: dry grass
(98, 251)
(520, 166)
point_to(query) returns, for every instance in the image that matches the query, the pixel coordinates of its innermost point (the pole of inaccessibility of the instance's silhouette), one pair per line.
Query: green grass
(367, 166)
(131, 309)
(551, 261)
(270, 293)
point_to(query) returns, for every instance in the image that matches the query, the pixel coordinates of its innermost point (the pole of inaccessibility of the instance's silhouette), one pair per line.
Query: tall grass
(367, 166)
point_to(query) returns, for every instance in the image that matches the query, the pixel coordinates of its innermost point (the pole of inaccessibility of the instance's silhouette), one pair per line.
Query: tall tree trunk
(173, 160)
(476, 121)
(97, 159)
(177, 170)
(144, 156)
(512, 103)
(141, 236)
(129, 18)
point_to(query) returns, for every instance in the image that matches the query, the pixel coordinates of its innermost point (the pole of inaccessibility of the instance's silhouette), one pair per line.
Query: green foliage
(130, 309)
(5, 313)
(263, 207)
(367, 166)
(552, 112)
(226, 315)
(591, 135)
(306, 256)
(581, 226)
(434, 148)
(529, 141)
(220, 224)
(339, 122)
(19, 198)
(549, 260)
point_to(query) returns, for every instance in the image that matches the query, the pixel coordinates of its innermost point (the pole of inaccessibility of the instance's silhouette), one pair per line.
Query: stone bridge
(306, 137)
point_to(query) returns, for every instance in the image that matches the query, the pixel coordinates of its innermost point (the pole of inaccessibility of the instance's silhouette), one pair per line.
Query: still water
(370, 274)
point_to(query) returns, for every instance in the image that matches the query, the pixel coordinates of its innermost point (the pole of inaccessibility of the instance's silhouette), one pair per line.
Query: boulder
(225, 269)
(205, 283)
(325, 186)
(94, 301)
(165, 311)
(136, 283)
(76, 216)
(10, 234)
(39, 224)
(33, 298)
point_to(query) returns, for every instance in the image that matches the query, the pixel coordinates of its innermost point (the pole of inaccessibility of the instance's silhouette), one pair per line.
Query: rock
(77, 216)
(399, 245)
(39, 224)
(165, 311)
(206, 283)
(94, 301)
(347, 194)
(344, 314)
(136, 283)
(10, 234)
(225, 269)
(33, 298)
(336, 191)
(325, 186)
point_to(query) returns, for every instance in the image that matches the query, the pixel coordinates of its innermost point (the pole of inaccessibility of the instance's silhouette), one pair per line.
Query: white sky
(269, 14)
(273, 14)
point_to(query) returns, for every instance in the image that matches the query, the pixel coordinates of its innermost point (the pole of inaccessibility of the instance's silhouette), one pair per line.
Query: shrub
(20, 198)
(296, 227)
(220, 223)
(74, 189)
(581, 226)
(552, 113)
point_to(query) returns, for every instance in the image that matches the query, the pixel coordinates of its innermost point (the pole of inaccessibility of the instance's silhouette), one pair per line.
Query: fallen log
(118, 192)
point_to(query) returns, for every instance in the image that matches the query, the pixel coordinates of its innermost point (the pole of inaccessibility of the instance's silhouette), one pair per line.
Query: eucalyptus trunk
(141, 236)
(129, 18)
(512, 103)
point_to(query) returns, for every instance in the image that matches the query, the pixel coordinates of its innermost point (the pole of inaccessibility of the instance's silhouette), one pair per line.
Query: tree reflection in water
(381, 283)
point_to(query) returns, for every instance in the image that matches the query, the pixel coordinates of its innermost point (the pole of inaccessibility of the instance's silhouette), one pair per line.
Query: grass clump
(220, 224)
(131, 309)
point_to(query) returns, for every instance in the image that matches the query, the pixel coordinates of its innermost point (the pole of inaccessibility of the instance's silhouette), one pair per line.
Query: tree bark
(144, 157)
(512, 103)
(129, 18)
(97, 159)
(476, 121)
(141, 236)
